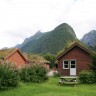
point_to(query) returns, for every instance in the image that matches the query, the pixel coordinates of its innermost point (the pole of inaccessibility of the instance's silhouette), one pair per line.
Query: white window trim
(69, 61)
(68, 64)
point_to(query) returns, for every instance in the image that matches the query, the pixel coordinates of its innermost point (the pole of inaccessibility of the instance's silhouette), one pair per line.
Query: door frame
(74, 68)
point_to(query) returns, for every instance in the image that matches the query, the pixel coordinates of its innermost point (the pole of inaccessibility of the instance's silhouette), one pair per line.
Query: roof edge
(16, 49)
(73, 45)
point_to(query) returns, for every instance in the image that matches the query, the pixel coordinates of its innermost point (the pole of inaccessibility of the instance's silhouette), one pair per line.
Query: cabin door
(73, 67)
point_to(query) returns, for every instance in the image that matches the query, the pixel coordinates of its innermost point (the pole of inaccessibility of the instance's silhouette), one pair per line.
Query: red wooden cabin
(14, 56)
(74, 59)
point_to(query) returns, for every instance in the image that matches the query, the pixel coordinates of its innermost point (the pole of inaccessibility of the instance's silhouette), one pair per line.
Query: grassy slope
(51, 88)
(51, 42)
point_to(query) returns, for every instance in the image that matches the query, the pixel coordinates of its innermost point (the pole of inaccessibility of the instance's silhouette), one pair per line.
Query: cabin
(37, 59)
(74, 59)
(14, 56)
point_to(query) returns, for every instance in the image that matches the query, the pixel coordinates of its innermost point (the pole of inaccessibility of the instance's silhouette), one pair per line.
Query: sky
(20, 19)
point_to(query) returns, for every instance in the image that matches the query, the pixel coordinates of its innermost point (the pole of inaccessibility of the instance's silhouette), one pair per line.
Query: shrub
(92, 66)
(87, 77)
(9, 76)
(24, 76)
(34, 73)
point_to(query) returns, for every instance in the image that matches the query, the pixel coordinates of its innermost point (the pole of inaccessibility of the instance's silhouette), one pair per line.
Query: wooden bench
(68, 80)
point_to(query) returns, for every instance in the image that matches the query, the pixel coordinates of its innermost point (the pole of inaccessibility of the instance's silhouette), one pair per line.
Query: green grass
(51, 88)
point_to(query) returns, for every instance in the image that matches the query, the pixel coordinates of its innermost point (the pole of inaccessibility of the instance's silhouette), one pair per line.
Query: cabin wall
(17, 59)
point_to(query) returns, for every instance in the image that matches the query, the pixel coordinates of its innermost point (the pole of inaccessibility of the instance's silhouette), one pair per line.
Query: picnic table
(68, 80)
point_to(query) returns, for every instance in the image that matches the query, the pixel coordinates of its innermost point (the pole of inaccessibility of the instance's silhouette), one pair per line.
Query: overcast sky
(20, 19)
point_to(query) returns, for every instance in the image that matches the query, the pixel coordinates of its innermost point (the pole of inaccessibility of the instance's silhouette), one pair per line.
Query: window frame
(68, 64)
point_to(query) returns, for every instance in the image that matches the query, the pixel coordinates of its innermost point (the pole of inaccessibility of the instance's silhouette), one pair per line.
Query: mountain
(90, 38)
(35, 37)
(49, 42)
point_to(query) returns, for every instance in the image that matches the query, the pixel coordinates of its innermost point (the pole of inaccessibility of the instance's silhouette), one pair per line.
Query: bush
(33, 73)
(92, 66)
(87, 77)
(24, 76)
(9, 76)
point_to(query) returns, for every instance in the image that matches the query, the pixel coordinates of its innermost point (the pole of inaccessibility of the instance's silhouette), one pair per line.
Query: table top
(68, 77)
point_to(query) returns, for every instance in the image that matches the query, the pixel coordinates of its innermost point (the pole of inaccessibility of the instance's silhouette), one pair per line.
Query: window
(69, 64)
(66, 64)
(73, 64)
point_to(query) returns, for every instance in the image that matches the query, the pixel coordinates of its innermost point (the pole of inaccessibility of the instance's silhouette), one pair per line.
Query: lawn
(51, 88)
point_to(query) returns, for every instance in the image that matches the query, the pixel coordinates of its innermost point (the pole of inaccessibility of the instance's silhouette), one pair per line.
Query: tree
(93, 65)
(51, 58)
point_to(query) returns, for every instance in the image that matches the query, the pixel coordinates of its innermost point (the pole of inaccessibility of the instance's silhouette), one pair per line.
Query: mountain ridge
(90, 38)
(50, 42)
(35, 36)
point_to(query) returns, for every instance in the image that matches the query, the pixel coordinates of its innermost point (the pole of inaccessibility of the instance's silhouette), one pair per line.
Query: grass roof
(36, 59)
(5, 52)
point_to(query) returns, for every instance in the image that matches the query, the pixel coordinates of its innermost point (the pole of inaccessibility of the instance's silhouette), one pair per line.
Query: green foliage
(9, 76)
(33, 73)
(50, 42)
(24, 76)
(51, 58)
(87, 77)
(93, 48)
(93, 65)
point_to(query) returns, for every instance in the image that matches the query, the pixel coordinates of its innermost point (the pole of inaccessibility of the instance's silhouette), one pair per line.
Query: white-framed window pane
(66, 64)
(73, 64)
